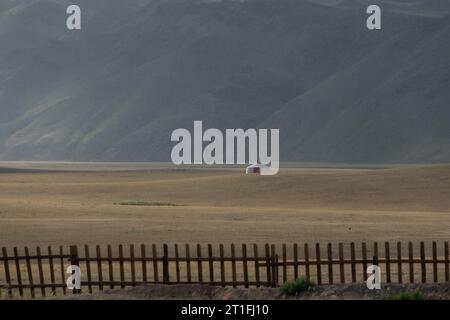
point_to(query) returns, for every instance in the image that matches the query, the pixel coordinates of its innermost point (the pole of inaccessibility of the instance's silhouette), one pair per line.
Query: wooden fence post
(30, 272)
(318, 265)
(341, 263)
(245, 264)
(353, 261)
(330, 263)
(199, 263)
(295, 261)
(63, 270)
(306, 253)
(375, 260)
(276, 270)
(99, 268)
(74, 261)
(435, 264)
(211, 264)
(274, 265)
(268, 265)
(411, 262)
(222, 265)
(166, 276)
(399, 262)
(177, 263)
(7, 274)
(364, 259)
(41, 271)
(144, 262)
(387, 256)
(423, 266)
(447, 262)
(121, 267)
(133, 265)
(88, 267)
(256, 257)
(284, 256)
(52, 271)
(18, 272)
(233, 264)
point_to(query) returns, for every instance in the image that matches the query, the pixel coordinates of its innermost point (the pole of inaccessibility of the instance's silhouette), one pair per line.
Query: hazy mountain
(139, 69)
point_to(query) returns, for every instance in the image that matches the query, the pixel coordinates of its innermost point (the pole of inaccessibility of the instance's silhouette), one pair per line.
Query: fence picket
(132, 266)
(41, 271)
(155, 263)
(222, 265)
(233, 264)
(306, 254)
(295, 261)
(284, 262)
(330, 263)
(99, 268)
(341, 263)
(435, 268)
(387, 256)
(211, 264)
(255, 255)
(199, 263)
(7, 273)
(245, 265)
(166, 274)
(353, 262)
(177, 263)
(364, 257)
(18, 272)
(110, 268)
(318, 265)
(423, 266)
(63, 270)
(88, 267)
(30, 272)
(52, 270)
(447, 262)
(411, 262)
(268, 262)
(121, 267)
(399, 262)
(188, 264)
(274, 267)
(144, 262)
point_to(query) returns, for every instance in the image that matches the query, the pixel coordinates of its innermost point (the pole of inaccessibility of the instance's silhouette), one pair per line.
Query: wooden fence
(41, 273)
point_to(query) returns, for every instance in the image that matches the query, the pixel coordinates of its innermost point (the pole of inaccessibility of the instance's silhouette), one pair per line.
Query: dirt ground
(204, 292)
(224, 206)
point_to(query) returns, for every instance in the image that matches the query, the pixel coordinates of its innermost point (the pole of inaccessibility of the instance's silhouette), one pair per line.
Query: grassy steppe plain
(224, 206)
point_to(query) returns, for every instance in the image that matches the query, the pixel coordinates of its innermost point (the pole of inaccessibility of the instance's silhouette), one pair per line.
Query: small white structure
(256, 169)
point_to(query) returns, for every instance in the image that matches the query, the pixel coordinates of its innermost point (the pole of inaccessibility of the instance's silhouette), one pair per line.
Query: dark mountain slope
(140, 69)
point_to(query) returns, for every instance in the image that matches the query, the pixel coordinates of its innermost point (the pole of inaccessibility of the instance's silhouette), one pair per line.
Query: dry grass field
(223, 206)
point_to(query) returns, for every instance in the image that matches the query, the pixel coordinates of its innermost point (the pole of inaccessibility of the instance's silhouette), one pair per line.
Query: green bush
(297, 286)
(406, 295)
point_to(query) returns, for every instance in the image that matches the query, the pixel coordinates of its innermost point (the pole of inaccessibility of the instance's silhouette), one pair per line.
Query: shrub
(406, 295)
(147, 203)
(297, 286)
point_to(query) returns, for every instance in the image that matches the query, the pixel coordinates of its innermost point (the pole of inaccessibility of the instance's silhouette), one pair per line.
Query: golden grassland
(224, 206)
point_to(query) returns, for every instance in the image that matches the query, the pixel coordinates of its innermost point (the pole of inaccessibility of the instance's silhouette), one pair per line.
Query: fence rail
(44, 273)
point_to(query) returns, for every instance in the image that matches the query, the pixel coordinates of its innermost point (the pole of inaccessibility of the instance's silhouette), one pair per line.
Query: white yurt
(255, 169)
